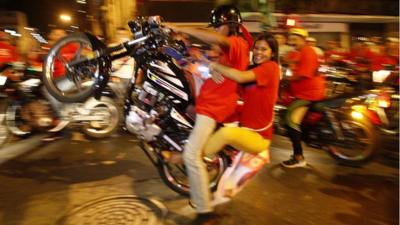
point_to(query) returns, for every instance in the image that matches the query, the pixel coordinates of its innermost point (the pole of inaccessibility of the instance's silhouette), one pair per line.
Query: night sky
(40, 13)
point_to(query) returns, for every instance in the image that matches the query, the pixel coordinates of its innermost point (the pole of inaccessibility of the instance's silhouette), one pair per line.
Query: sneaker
(216, 201)
(220, 200)
(210, 218)
(293, 163)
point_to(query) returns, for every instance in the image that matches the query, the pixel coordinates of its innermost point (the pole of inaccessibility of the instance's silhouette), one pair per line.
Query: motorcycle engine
(141, 117)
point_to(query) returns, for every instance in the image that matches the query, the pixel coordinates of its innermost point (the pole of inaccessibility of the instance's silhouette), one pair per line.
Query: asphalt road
(44, 183)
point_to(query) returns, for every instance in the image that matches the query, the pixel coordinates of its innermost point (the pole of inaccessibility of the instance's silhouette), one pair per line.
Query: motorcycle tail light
(313, 117)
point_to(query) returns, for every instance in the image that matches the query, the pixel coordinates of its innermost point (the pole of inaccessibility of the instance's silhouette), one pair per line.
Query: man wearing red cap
(306, 85)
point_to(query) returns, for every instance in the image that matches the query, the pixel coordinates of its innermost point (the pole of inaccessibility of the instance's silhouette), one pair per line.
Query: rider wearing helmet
(306, 85)
(216, 101)
(230, 16)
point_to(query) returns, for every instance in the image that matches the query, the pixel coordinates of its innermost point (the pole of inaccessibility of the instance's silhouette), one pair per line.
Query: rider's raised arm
(206, 35)
(233, 74)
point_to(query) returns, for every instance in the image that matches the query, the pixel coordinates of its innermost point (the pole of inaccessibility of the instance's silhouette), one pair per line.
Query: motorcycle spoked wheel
(14, 121)
(175, 177)
(101, 129)
(359, 146)
(4, 132)
(71, 84)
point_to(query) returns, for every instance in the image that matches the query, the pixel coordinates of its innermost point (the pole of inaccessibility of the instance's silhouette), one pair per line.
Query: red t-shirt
(67, 52)
(8, 53)
(259, 99)
(312, 86)
(380, 61)
(362, 57)
(218, 101)
(335, 55)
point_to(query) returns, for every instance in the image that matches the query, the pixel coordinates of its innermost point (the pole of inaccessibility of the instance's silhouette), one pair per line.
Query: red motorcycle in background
(335, 124)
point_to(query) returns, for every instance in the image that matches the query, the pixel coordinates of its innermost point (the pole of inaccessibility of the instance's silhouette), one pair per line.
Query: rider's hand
(215, 76)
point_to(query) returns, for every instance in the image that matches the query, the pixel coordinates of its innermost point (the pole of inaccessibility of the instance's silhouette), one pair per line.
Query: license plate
(3, 79)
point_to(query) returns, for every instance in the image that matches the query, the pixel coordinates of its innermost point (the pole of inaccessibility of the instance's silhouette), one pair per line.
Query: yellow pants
(254, 154)
(239, 138)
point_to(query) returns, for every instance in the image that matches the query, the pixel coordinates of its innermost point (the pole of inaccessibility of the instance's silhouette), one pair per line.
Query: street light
(65, 18)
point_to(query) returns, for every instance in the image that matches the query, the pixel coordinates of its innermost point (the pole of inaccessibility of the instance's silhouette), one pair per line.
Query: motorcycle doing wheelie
(31, 109)
(158, 99)
(336, 124)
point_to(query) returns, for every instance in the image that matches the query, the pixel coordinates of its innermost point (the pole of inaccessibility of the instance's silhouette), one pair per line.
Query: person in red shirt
(8, 53)
(389, 56)
(259, 93)
(334, 52)
(216, 101)
(361, 54)
(67, 52)
(306, 85)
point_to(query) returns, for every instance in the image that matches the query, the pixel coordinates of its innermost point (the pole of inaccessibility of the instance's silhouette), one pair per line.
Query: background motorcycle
(380, 100)
(335, 124)
(384, 99)
(31, 109)
(159, 101)
(4, 133)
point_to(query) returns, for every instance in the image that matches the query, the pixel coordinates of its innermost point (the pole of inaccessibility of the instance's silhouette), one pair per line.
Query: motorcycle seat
(334, 102)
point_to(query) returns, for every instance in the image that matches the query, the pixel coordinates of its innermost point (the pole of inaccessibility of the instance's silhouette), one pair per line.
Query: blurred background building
(326, 20)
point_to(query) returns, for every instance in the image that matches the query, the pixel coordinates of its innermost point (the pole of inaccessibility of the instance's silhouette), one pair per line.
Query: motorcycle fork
(154, 157)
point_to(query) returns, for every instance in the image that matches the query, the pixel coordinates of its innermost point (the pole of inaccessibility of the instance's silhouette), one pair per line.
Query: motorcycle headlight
(357, 111)
(357, 115)
(3, 80)
(380, 75)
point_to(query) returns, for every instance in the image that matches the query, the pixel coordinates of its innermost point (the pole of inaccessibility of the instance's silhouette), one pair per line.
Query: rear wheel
(175, 176)
(359, 143)
(14, 122)
(4, 133)
(106, 109)
(69, 83)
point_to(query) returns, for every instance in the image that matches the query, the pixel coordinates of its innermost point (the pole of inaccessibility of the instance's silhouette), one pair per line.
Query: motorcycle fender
(92, 102)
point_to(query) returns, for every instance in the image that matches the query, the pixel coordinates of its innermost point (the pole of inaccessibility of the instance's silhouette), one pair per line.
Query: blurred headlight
(380, 75)
(357, 115)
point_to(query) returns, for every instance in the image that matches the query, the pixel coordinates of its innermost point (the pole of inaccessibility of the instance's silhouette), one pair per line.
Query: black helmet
(225, 14)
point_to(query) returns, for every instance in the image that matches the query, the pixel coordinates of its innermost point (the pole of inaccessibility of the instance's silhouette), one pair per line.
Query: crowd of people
(256, 83)
(372, 53)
